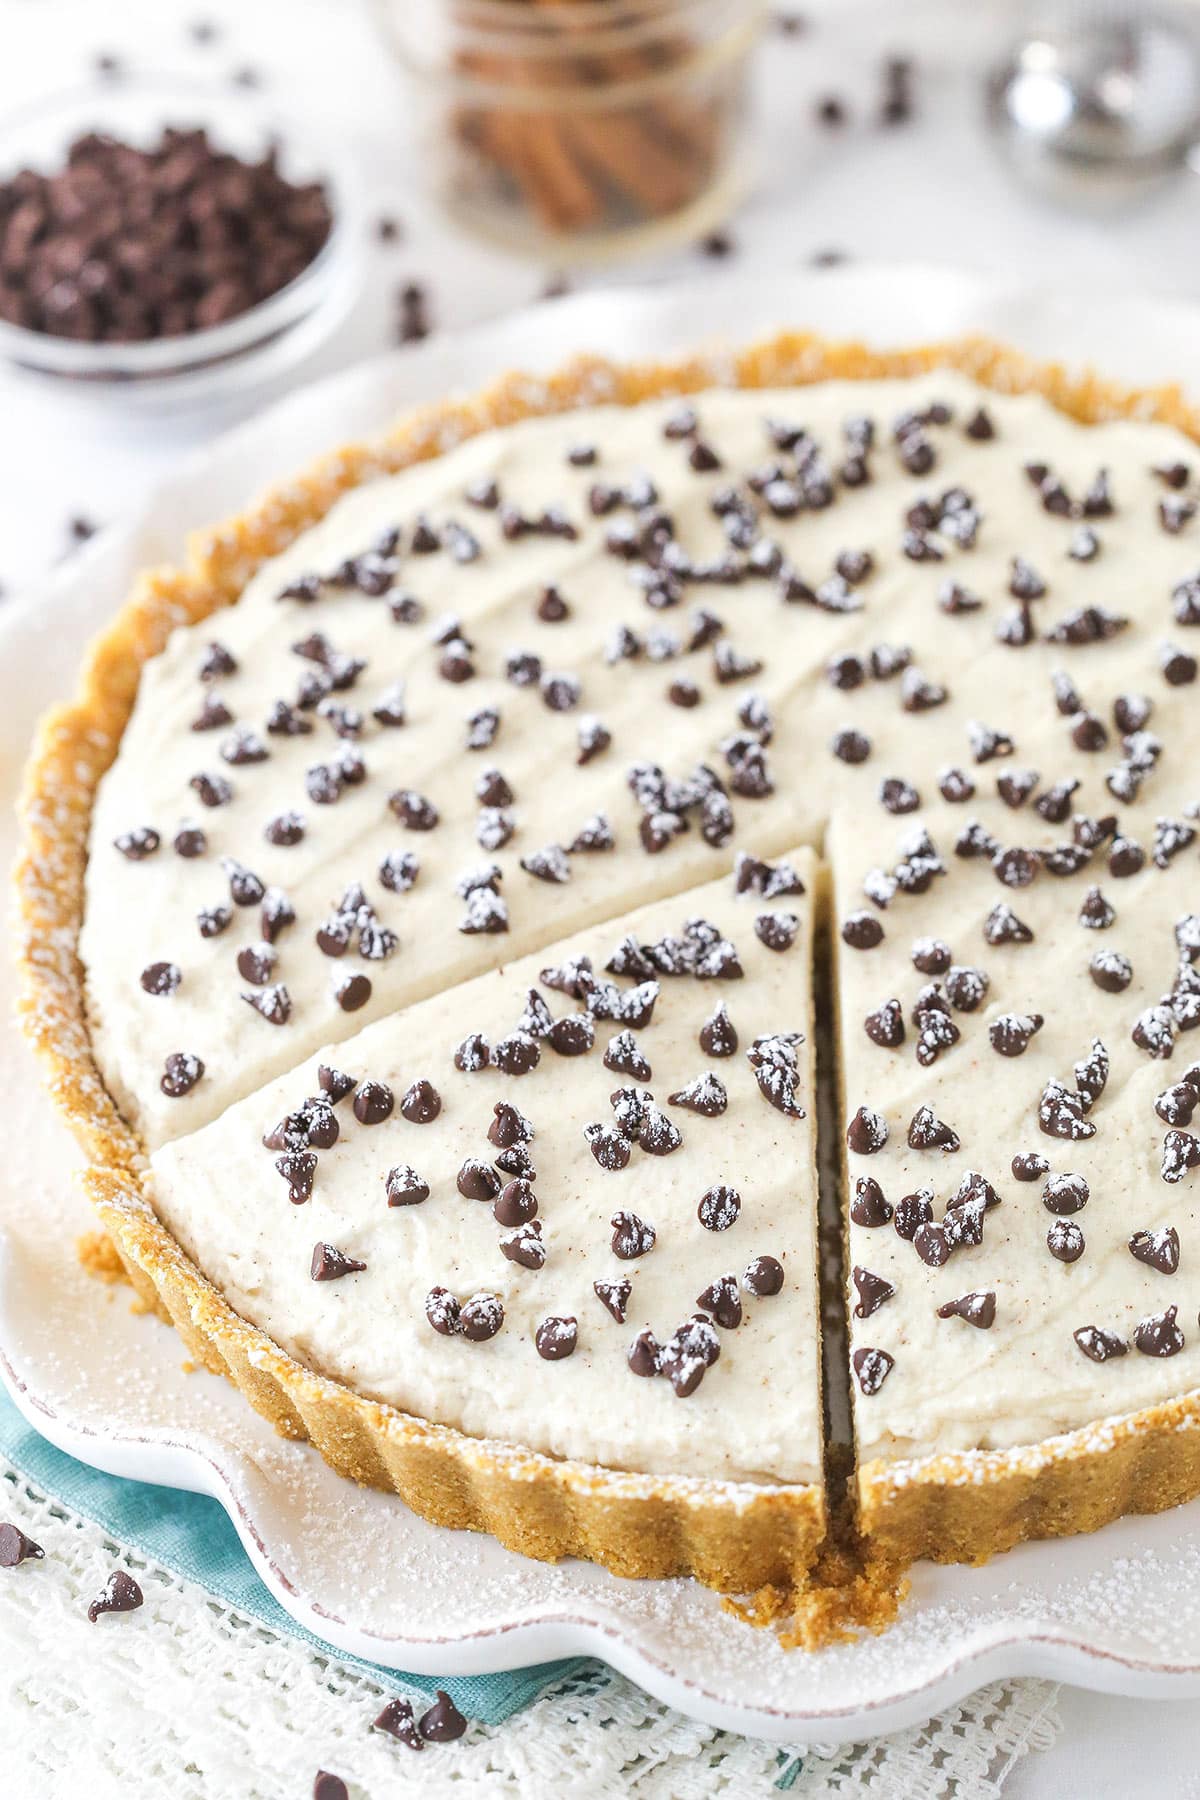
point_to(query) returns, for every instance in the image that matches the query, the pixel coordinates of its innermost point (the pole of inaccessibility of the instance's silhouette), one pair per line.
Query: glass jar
(580, 129)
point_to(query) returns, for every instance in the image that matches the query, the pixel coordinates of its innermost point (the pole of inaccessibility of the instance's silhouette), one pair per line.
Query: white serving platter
(1118, 1611)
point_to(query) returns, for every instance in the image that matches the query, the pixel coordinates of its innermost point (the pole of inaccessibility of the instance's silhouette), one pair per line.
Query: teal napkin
(192, 1535)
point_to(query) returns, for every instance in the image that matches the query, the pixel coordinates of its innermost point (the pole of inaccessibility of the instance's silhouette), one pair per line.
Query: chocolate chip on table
(16, 1548)
(119, 1594)
(218, 234)
(398, 1722)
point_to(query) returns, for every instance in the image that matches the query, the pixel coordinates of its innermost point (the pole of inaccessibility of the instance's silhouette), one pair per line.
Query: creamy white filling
(952, 1385)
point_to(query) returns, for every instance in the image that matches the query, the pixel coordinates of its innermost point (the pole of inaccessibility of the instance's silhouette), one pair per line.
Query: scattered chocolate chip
(16, 1548)
(443, 1723)
(120, 1594)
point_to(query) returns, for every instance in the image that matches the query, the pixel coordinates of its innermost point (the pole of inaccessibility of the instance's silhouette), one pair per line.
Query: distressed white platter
(1118, 1611)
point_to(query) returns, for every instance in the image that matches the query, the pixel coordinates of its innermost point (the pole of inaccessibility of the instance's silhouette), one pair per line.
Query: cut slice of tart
(569, 1205)
(1023, 1238)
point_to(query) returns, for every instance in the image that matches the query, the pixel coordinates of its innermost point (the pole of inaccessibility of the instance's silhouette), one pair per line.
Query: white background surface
(933, 192)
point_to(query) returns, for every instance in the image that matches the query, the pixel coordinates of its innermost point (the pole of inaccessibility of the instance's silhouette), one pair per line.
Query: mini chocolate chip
(120, 1594)
(763, 1277)
(872, 1291)
(398, 1722)
(1065, 1194)
(1011, 1033)
(478, 1180)
(631, 1236)
(161, 978)
(614, 1296)
(643, 1356)
(421, 1103)
(862, 931)
(479, 1319)
(867, 1132)
(1064, 1240)
(1158, 1249)
(850, 746)
(515, 1205)
(718, 1037)
(556, 1338)
(139, 843)
(1111, 971)
(885, 1026)
(443, 1723)
(869, 1207)
(978, 1309)
(1029, 1165)
(872, 1368)
(330, 1264)
(181, 1072)
(16, 1548)
(1159, 1335)
(373, 1102)
(1098, 1345)
(927, 1132)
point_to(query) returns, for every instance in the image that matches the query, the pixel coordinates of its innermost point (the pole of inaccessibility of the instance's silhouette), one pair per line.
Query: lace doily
(191, 1699)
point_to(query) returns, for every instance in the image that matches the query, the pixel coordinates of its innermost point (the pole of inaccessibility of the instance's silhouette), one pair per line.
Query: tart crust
(960, 1507)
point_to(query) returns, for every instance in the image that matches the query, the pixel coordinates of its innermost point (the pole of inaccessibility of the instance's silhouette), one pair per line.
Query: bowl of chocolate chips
(166, 242)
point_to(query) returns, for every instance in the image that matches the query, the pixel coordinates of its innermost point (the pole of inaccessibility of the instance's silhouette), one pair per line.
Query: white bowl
(257, 345)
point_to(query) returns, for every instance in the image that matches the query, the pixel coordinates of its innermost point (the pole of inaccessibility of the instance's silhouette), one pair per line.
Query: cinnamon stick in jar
(593, 117)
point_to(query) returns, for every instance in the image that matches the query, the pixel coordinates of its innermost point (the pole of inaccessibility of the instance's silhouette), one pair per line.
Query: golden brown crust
(959, 1507)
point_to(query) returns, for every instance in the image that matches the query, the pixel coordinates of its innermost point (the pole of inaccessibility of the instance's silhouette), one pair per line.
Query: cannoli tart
(430, 904)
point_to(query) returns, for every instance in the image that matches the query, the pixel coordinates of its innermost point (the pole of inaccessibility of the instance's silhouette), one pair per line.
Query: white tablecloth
(932, 191)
